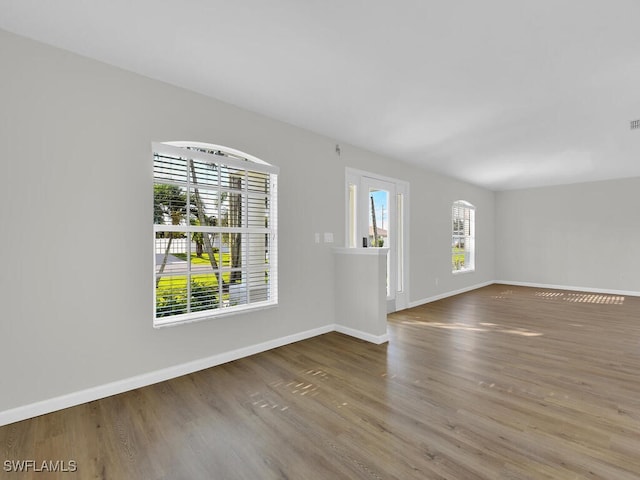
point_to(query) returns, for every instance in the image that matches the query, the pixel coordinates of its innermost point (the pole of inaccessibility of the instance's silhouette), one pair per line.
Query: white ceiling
(500, 93)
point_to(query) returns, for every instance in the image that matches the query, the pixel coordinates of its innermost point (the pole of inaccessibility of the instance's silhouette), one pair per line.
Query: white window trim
(354, 177)
(243, 161)
(469, 239)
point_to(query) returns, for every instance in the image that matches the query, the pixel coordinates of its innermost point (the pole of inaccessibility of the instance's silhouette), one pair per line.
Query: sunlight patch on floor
(595, 298)
(482, 327)
(503, 295)
(260, 400)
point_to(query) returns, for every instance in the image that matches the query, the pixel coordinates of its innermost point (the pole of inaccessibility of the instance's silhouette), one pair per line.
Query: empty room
(319, 240)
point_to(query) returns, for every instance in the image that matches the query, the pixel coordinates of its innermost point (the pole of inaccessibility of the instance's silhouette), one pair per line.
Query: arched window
(215, 232)
(463, 217)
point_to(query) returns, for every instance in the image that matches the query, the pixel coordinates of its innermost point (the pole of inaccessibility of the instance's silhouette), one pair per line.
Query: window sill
(189, 318)
(460, 272)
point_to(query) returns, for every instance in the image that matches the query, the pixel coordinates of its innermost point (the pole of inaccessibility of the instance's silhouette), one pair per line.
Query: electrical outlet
(328, 237)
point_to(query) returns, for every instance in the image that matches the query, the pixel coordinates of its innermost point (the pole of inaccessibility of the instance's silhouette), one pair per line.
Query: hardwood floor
(499, 383)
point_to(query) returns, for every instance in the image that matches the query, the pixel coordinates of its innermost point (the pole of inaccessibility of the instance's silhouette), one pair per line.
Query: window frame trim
(173, 148)
(469, 206)
(245, 162)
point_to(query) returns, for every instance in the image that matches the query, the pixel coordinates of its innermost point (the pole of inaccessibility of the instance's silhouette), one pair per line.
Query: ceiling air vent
(635, 124)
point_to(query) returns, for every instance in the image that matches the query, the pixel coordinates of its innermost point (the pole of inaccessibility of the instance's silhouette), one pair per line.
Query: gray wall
(75, 251)
(583, 235)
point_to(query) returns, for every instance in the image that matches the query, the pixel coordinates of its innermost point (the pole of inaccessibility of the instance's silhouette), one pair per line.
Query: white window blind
(215, 232)
(463, 216)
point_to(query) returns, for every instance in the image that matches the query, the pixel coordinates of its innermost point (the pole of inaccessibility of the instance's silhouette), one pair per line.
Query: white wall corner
(450, 294)
(377, 339)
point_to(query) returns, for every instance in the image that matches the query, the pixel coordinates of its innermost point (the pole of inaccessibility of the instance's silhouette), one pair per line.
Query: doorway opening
(376, 214)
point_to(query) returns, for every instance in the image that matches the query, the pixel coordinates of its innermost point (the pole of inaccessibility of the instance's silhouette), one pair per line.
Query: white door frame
(398, 298)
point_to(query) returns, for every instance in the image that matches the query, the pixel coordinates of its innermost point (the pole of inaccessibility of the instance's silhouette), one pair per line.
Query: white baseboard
(606, 291)
(101, 391)
(449, 294)
(120, 386)
(377, 339)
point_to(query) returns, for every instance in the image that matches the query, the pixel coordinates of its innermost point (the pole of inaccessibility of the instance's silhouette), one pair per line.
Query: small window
(463, 216)
(214, 232)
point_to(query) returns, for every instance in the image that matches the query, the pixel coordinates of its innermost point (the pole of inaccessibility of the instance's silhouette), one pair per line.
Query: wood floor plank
(499, 383)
